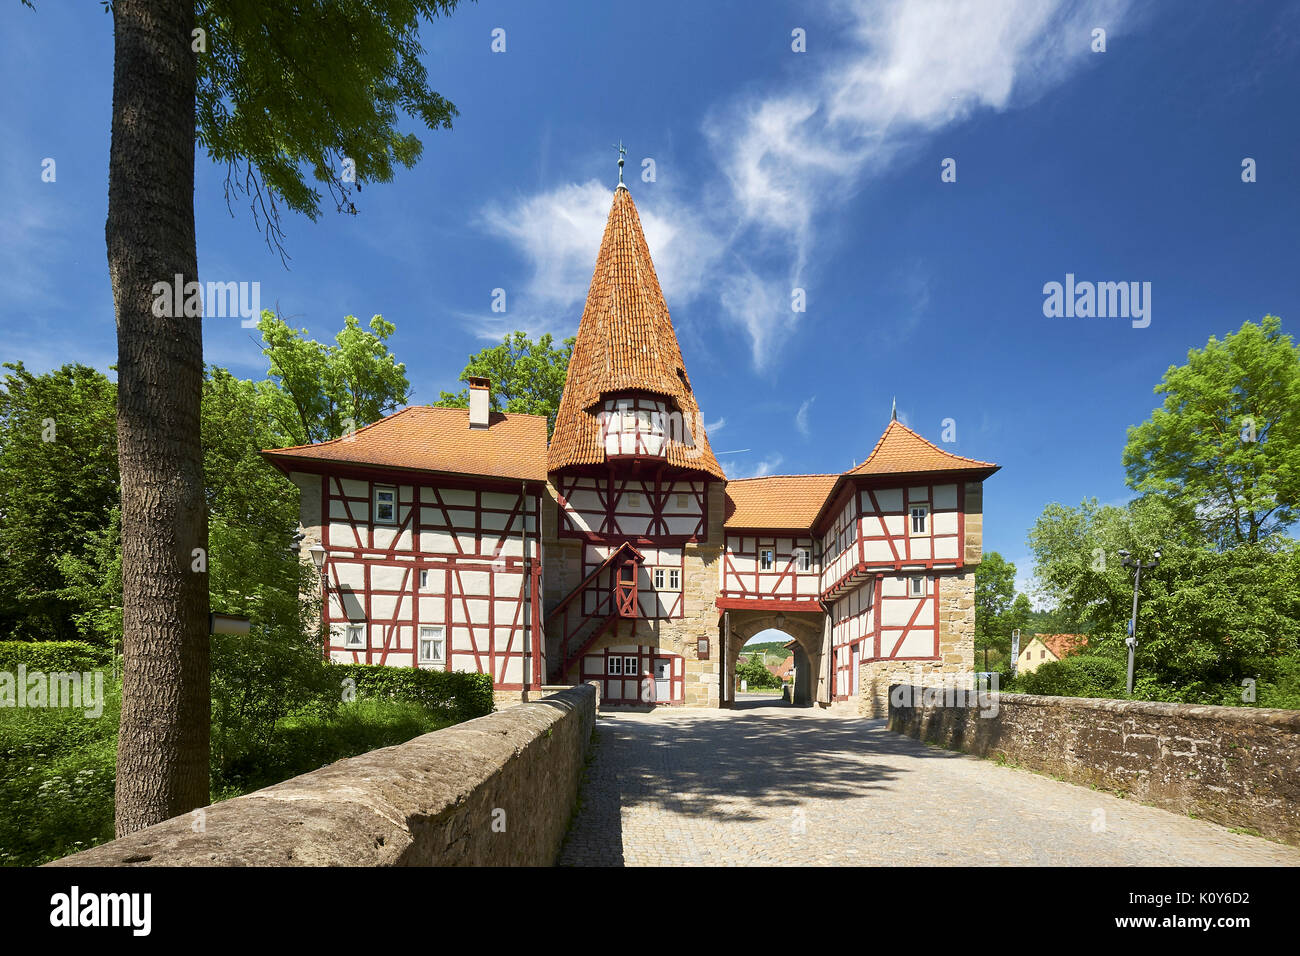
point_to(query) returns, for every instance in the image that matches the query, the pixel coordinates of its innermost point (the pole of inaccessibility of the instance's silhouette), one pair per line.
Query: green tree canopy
(287, 89)
(58, 487)
(526, 376)
(331, 389)
(1225, 446)
(1205, 616)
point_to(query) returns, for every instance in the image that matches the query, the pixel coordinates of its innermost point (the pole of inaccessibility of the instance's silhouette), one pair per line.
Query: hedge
(51, 656)
(459, 695)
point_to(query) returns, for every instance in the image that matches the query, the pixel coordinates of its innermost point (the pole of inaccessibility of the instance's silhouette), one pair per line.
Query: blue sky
(774, 170)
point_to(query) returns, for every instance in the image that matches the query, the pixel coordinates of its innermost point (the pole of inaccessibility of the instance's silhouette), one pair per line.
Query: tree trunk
(162, 753)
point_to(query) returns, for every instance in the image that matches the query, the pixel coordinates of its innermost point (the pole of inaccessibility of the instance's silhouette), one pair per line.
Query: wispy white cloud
(801, 417)
(759, 469)
(788, 156)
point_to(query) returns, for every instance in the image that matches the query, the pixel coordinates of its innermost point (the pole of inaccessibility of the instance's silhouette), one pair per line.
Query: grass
(57, 766)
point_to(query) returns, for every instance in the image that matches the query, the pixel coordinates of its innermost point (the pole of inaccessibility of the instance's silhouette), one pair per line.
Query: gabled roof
(424, 438)
(902, 451)
(1063, 645)
(776, 502)
(625, 343)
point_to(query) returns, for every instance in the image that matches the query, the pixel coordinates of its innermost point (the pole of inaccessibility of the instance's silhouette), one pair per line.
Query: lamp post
(1131, 641)
(318, 558)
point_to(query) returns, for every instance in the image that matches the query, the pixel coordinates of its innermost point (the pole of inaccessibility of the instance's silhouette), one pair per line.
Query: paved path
(771, 784)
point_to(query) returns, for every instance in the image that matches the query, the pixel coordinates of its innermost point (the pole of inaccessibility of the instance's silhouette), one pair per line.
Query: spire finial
(621, 153)
(893, 411)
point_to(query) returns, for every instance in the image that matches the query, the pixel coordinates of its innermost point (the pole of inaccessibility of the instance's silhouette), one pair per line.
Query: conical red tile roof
(625, 343)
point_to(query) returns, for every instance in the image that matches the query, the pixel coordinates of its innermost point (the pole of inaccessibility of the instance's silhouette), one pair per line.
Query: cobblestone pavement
(770, 784)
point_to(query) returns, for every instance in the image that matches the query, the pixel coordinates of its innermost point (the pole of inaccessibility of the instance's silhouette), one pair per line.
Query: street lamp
(1131, 641)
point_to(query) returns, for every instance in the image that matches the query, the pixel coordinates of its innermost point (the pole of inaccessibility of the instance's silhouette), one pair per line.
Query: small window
(916, 586)
(385, 505)
(804, 557)
(627, 418)
(430, 645)
(1042, 654)
(674, 579)
(919, 515)
(683, 501)
(615, 666)
(355, 638)
(633, 499)
(424, 579)
(765, 559)
(631, 667)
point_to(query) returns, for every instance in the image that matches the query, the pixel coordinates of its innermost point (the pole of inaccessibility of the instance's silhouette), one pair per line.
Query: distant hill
(771, 649)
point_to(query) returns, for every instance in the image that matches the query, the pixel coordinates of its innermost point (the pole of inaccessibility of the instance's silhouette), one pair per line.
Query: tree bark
(162, 755)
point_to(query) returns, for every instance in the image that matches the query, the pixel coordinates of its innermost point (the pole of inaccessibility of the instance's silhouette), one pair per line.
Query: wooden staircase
(579, 628)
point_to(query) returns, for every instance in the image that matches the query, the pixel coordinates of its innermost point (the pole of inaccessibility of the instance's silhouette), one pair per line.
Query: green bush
(51, 656)
(1081, 675)
(453, 694)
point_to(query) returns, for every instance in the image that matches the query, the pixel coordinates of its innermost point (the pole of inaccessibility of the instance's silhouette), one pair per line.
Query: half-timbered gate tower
(619, 552)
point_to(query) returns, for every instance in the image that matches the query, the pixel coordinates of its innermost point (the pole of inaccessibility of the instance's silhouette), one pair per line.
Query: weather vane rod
(621, 153)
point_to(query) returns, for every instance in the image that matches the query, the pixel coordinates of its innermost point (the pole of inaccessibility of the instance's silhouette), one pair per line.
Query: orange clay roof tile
(776, 502)
(902, 451)
(625, 343)
(424, 438)
(1063, 645)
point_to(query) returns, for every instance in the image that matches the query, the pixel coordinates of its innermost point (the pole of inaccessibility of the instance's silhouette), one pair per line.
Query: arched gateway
(459, 539)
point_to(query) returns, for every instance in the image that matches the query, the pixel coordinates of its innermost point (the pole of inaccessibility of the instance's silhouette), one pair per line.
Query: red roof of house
(777, 501)
(424, 438)
(902, 451)
(1063, 645)
(625, 343)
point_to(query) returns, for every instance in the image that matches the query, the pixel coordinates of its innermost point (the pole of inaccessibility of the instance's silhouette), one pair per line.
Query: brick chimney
(480, 394)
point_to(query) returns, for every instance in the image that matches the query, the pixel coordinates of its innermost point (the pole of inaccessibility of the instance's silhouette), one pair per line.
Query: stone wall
(496, 791)
(1238, 766)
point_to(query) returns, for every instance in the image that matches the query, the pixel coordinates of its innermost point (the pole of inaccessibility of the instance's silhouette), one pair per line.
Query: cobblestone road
(770, 784)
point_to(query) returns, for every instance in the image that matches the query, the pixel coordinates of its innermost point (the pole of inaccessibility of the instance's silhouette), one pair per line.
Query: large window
(615, 667)
(431, 645)
(804, 558)
(385, 505)
(765, 559)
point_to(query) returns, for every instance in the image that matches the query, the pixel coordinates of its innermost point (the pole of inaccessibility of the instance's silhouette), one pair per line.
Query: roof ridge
(824, 474)
(463, 408)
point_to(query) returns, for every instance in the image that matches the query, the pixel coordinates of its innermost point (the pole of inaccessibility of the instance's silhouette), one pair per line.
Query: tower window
(920, 514)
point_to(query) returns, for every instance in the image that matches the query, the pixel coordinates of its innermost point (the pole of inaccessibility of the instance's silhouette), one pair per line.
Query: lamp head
(317, 556)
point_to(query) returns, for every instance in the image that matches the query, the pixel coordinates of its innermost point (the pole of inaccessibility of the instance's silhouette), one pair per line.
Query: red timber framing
(612, 586)
(645, 507)
(915, 639)
(627, 675)
(854, 529)
(638, 426)
(462, 555)
(783, 586)
(654, 601)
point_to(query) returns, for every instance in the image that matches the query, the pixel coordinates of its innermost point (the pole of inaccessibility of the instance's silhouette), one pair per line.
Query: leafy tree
(1206, 617)
(998, 608)
(271, 90)
(332, 389)
(1225, 446)
(755, 674)
(58, 459)
(526, 376)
